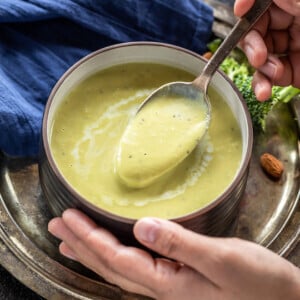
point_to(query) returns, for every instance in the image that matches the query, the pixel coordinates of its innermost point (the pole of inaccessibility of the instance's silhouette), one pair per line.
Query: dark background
(12, 289)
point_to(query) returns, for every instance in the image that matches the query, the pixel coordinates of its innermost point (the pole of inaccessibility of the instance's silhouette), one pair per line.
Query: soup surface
(91, 121)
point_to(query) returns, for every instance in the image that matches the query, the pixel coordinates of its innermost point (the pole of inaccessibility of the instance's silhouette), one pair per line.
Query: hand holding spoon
(144, 155)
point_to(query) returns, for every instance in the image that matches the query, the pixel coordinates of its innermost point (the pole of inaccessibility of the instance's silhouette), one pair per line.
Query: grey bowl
(215, 218)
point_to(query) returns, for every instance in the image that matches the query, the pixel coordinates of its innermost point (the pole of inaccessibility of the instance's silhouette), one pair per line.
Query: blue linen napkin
(41, 39)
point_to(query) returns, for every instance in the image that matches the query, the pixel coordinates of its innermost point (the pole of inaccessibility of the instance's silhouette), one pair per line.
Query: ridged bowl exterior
(213, 219)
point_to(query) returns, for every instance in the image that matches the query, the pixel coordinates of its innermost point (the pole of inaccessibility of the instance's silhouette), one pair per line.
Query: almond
(271, 165)
(207, 55)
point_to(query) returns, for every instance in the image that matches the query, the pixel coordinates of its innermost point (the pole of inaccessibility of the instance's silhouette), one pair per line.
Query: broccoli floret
(241, 74)
(234, 69)
(238, 69)
(258, 110)
(214, 45)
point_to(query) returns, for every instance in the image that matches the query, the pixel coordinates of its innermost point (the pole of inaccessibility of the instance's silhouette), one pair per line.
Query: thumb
(173, 241)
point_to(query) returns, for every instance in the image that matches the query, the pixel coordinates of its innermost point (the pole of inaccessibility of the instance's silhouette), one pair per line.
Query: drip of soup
(169, 122)
(90, 123)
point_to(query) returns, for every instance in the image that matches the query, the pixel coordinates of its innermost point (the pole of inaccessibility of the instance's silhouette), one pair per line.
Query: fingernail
(147, 230)
(257, 89)
(70, 256)
(66, 251)
(249, 51)
(269, 69)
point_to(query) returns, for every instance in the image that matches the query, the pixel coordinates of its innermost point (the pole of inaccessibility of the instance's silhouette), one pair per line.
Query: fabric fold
(41, 39)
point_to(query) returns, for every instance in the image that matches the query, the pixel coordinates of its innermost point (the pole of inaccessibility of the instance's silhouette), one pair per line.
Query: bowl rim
(126, 220)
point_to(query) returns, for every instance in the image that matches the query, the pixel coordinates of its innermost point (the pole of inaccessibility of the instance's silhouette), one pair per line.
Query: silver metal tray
(269, 215)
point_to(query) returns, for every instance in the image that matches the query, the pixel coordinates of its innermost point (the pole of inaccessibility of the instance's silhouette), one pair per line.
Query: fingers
(294, 64)
(242, 6)
(270, 68)
(130, 268)
(65, 250)
(279, 19)
(290, 6)
(273, 69)
(110, 276)
(271, 48)
(262, 86)
(281, 71)
(205, 254)
(85, 249)
(232, 264)
(254, 48)
(237, 267)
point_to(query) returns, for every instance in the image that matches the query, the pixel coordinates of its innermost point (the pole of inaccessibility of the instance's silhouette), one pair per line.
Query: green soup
(93, 117)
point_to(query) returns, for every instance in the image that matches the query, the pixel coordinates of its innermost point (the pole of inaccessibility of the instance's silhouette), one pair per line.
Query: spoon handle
(241, 27)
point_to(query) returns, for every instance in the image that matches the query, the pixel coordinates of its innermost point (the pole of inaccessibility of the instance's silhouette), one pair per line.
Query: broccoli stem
(286, 94)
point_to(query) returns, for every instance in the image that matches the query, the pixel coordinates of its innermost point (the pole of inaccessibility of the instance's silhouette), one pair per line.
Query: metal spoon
(197, 90)
(141, 174)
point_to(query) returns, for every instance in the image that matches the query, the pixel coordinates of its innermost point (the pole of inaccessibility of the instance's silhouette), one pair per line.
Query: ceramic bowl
(213, 219)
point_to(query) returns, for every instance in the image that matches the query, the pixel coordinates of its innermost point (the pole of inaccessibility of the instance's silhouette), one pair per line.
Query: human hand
(273, 45)
(200, 267)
